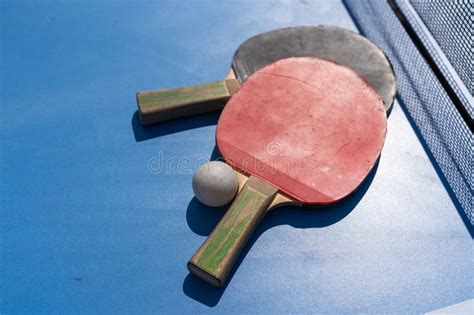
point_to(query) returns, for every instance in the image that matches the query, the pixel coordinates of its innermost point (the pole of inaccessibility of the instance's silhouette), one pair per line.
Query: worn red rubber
(310, 127)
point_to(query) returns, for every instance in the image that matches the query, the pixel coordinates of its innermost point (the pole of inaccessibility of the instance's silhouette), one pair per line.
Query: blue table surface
(97, 213)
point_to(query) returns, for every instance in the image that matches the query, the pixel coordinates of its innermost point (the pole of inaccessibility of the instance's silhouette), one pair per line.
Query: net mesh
(423, 97)
(438, 54)
(451, 24)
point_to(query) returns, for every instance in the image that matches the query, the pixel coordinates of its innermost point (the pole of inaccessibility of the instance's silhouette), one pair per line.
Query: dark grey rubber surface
(327, 42)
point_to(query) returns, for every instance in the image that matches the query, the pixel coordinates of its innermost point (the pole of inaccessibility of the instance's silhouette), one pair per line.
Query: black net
(436, 117)
(451, 24)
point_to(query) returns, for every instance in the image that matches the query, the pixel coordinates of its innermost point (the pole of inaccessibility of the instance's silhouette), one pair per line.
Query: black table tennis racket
(326, 42)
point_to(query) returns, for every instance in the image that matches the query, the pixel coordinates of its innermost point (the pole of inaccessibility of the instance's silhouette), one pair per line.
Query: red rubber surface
(309, 126)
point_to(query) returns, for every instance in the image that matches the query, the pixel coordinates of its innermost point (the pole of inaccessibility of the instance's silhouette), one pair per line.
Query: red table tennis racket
(304, 131)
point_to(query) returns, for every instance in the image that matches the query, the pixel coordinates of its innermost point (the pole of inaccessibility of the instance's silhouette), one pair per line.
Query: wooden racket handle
(215, 258)
(163, 105)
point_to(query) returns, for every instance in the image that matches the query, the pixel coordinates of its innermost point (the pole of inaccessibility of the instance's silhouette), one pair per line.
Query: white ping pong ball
(215, 184)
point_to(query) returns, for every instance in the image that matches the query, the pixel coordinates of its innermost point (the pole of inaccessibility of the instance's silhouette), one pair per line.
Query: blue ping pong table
(97, 214)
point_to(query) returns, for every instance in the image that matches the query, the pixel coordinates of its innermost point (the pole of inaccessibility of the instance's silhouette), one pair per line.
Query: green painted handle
(215, 258)
(162, 105)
